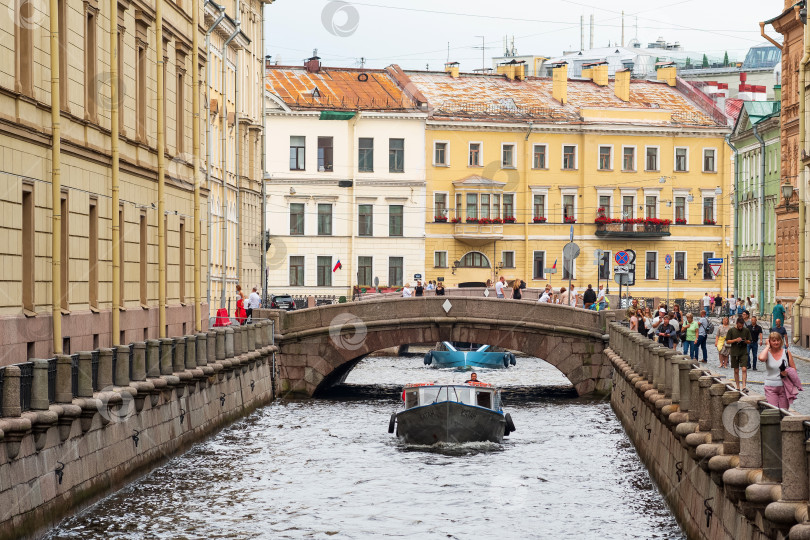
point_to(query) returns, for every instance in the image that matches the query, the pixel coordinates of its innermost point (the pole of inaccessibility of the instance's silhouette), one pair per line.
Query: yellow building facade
(515, 164)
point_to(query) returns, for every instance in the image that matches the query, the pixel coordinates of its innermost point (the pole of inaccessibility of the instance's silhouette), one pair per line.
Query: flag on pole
(337, 265)
(555, 264)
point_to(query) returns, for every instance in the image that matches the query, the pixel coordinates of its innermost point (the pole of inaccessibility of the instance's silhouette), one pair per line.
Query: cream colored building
(346, 180)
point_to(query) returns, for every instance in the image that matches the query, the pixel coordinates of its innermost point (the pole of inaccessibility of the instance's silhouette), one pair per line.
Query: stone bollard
(202, 349)
(85, 374)
(211, 346)
(746, 423)
(179, 358)
(270, 333)
(39, 385)
(704, 403)
(257, 335)
(121, 375)
(229, 343)
(716, 392)
(673, 361)
(105, 374)
(220, 344)
(139, 361)
(64, 379)
(191, 351)
(152, 358)
(771, 444)
(251, 338)
(731, 431)
(11, 392)
(794, 459)
(166, 356)
(238, 332)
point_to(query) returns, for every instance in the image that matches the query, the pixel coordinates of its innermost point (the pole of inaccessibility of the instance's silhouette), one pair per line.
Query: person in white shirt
(406, 291)
(430, 286)
(546, 296)
(254, 301)
(499, 285)
(707, 302)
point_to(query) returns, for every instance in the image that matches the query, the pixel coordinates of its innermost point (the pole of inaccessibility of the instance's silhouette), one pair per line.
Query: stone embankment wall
(75, 428)
(729, 465)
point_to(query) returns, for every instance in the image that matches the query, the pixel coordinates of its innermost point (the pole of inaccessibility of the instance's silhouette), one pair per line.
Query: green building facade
(756, 194)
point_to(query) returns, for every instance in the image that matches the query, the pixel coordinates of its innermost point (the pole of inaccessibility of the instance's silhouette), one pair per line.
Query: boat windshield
(460, 394)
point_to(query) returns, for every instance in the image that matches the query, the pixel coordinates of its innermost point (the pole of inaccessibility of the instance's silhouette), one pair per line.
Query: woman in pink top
(777, 361)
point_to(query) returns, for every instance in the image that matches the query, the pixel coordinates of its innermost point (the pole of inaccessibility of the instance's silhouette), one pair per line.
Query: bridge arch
(319, 345)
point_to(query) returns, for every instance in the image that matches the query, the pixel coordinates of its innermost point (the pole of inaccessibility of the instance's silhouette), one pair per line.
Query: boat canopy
(480, 395)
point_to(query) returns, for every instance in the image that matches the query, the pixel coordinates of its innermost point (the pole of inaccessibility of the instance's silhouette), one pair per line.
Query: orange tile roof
(496, 98)
(339, 89)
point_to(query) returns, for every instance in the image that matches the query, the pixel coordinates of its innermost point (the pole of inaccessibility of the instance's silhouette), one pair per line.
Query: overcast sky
(416, 33)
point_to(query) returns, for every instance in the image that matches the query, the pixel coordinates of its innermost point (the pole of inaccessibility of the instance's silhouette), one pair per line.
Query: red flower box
(509, 219)
(440, 219)
(570, 219)
(539, 219)
(709, 222)
(456, 220)
(680, 221)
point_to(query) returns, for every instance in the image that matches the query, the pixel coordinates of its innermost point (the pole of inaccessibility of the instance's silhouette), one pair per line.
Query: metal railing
(26, 382)
(94, 369)
(52, 380)
(2, 375)
(74, 374)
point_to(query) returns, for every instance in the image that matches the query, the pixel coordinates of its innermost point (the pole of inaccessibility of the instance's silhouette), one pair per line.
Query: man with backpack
(704, 329)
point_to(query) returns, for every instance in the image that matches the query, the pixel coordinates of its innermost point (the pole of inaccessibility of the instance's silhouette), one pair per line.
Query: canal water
(327, 468)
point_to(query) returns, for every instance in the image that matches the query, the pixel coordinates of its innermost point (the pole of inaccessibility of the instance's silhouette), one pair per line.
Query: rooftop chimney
(512, 70)
(559, 88)
(667, 72)
(622, 84)
(600, 74)
(313, 65)
(452, 69)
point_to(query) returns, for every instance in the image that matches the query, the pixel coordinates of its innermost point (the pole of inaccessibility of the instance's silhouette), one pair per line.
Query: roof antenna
(362, 62)
(448, 51)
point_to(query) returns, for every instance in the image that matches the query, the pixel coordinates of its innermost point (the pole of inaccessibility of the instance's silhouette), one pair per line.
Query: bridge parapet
(730, 465)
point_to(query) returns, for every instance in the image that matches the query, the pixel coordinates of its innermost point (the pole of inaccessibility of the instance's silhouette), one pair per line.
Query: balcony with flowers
(630, 227)
(478, 231)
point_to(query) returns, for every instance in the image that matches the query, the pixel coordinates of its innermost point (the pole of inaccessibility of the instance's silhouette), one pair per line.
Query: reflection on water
(327, 468)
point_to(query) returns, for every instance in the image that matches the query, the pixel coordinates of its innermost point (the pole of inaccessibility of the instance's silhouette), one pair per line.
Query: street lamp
(787, 192)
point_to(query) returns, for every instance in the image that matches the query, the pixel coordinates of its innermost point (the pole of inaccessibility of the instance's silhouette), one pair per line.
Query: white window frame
(563, 193)
(680, 193)
(514, 204)
(649, 192)
(540, 191)
(446, 259)
(514, 259)
(576, 157)
(289, 264)
(635, 158)
(685, 265)
(657, 262)
(599, 157)
(600, 192)
(542, 270)
(514, 164)
(446, 153)
(480, 153)
(657, 158)
(447, 198)
(675, 158)
(713, 278)
(628, 193)
(545, 146)
(703, 160)
(704, 193)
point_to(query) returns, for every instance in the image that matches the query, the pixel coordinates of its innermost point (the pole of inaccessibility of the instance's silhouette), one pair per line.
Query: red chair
(222, 318)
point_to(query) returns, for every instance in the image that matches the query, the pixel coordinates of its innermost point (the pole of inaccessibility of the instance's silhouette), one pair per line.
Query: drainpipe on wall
(237, 144)
(801, 181)
(195, 106)
(114, 186)
(56, 184)
(161, 157)
(208, 143)
(353, 162)
(736, 213)
(262, 79)
(762, 220)
(224, 120)
(529, 260)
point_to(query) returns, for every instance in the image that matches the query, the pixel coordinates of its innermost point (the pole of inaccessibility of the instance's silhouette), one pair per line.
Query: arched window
(474, 259)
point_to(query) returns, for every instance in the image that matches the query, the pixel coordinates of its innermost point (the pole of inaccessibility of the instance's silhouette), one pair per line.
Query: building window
(182, 262)
(681, 160)
(395, 219)
(496, 206)
(604, 265)
(181, 114)
(628, 158)
(65, 254)
(651, 266)
(24, 47)
(474, 259)
(650, 206)
(680, 209)
(539, 206)
(708, 160)
(324, 219)
(707, 270)
(459, 211)
(569, 268)
(92, 242)
(569, 157)
(475, 155)
(605, 158)
(27, 245)
(539, 156)
(325, 153)
(64, 76)
(365, 223)
(651, 160)
(538, 266)
(508, 259)
(90, 48)
(297, 271)
(472, 205)
(364, 271)
(297, 152)
(568, 207)
(508, 206)
(324, 271)
(604, 205)
(627, 206)
(296, 219)
(440, 154)
(708, 210)
(396, 155)
(508, 156)
(485, 205)
(440, 259)
(365, 156)
(141, 74)
(144, 246)
(440, 205)
(395, 271)
(121, 252)
(680, 265)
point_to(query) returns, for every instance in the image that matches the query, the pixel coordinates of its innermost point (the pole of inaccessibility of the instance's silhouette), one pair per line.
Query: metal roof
(758, 111)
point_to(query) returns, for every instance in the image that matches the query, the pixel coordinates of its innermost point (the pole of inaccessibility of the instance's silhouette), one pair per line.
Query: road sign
(549, 270)
(621, 279)
(621, 258)
(716, 268)
(417, 276)
(668, 259)
(571, 251)
(715, 263)
(718, 260)
(666, 267)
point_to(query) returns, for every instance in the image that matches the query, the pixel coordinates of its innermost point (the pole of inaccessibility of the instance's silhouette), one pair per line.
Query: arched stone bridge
(319, 346)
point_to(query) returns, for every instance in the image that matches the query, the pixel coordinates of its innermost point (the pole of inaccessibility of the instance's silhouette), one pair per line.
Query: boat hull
(450, 422)
(468, 359)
